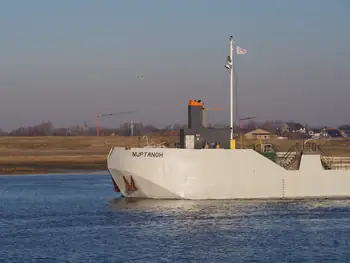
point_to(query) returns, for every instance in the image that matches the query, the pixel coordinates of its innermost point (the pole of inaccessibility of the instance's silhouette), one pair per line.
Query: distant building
(331, 133)
(346, 133)
(259, 134)
(86, 127)
(293, 127)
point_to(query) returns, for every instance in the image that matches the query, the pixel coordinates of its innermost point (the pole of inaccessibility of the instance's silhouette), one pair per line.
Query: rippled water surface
(78, 218)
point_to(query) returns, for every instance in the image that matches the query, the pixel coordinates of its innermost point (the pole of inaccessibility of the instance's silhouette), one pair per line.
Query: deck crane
(98, 116)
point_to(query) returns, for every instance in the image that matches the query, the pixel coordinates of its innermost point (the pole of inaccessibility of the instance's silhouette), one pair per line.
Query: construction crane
(204, 114)
(98, 116)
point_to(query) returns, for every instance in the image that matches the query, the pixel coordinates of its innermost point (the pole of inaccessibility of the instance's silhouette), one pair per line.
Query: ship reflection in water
(228, 207)
(279, 226)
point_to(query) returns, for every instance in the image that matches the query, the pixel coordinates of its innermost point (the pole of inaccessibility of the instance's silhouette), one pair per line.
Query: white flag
(240, 51)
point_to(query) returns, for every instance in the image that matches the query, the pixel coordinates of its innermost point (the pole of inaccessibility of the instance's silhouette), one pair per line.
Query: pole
(240, 119)
(97, 125)
(240, 133)
(132, 127)
(231, 88)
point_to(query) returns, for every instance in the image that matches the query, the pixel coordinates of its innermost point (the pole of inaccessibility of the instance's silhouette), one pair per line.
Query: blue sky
(66, 60)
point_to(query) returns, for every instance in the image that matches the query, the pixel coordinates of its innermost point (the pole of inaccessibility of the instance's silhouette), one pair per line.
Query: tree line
(48, 129)
(138, 129)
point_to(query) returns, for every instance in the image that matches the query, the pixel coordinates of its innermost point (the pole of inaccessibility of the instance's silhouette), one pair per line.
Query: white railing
(153, 144)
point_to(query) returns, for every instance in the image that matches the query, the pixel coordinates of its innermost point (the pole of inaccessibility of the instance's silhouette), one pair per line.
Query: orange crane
(98, 116)
(204, 114)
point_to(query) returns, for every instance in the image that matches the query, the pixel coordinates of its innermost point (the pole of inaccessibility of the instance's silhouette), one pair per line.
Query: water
(78, 218)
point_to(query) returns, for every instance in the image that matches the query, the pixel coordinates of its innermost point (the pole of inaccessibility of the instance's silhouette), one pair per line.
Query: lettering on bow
(148, 154)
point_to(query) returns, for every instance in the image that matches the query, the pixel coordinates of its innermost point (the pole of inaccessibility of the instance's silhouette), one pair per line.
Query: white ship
(198, 170)
(164, 173)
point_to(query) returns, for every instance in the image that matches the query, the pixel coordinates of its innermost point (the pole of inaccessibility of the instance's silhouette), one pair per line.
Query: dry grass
(79, 159)
(83, 143)
(44, 164)
(45, 154)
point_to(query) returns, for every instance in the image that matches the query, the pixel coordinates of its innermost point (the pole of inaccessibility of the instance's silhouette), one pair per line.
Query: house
(293, 127)
(331, 133)
(345, 133)
(258, 134)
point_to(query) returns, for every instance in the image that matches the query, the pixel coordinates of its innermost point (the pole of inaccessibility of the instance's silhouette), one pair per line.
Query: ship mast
(231, 68)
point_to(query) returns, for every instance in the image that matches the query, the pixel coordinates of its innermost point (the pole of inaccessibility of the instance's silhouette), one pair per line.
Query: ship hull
(219, 174)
